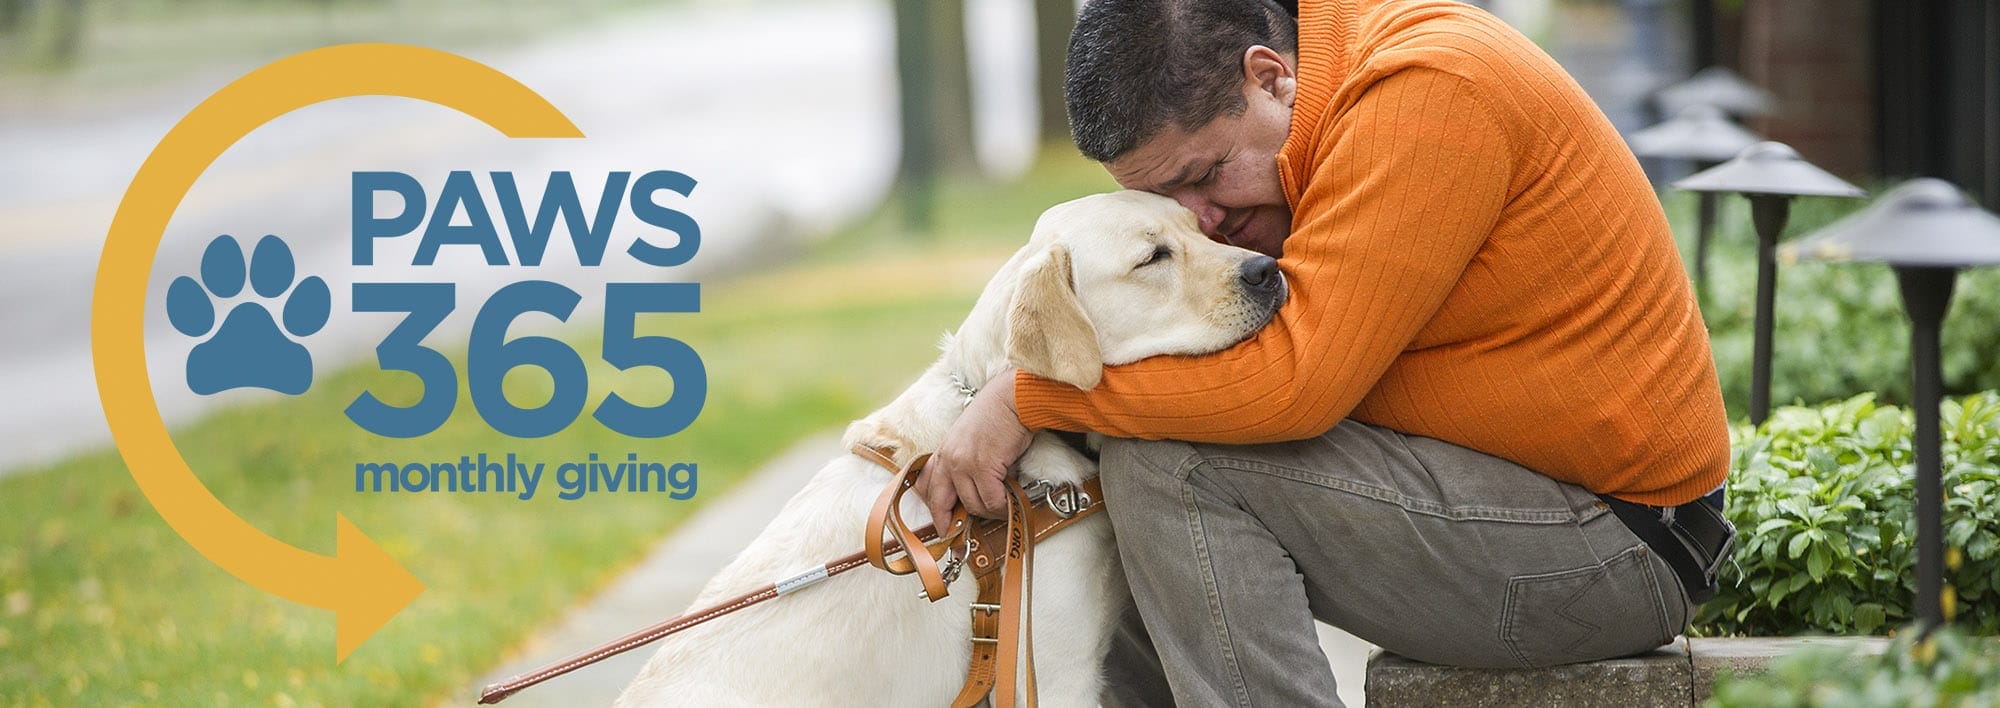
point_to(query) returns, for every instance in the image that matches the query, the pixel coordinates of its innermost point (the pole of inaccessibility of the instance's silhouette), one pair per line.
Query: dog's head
(1113, 278)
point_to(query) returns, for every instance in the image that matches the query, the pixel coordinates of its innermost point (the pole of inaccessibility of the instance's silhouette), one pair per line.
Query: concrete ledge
(1656, 678)
(1752, 655)
(1679, 674)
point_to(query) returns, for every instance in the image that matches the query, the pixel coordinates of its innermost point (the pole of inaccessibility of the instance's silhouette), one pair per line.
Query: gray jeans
(1427, 549)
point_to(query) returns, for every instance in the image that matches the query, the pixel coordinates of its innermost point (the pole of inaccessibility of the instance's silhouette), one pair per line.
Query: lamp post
(1769, 174)
(1927, 230)
(1701, 25)
(1700, 133)
(1715, 86)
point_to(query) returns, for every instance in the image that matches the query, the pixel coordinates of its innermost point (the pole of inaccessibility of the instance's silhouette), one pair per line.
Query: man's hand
(978, 454)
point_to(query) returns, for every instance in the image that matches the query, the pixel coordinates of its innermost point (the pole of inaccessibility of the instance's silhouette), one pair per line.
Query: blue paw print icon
(249, 350)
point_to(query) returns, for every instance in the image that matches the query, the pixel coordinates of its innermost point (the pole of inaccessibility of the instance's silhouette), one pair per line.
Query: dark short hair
(1137, 66)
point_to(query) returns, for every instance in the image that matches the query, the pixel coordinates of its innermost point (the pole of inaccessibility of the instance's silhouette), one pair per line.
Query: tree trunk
(11, 12)
(68, 41)
(951, 77)
(935, 99)
(1053, 20)
(916, 169)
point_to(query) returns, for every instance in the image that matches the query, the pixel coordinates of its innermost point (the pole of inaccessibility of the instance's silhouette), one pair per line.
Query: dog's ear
(1047, 332)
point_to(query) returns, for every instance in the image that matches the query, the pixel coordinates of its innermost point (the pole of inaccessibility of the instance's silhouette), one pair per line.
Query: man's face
(1226, 172)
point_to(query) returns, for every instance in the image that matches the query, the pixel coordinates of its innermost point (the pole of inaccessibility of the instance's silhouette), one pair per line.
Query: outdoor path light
(1770, 174)
(1927, 230)
(1700, 133)
(1715, 86)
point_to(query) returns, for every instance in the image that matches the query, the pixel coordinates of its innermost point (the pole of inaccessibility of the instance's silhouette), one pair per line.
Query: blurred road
(785, 114)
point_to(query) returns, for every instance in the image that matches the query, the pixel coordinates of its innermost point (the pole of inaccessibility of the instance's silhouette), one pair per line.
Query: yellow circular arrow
(361, 583)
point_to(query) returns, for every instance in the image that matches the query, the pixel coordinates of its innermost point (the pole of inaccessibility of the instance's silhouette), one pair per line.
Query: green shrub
(1826, 535)
(1947, 669)
(1839, 329)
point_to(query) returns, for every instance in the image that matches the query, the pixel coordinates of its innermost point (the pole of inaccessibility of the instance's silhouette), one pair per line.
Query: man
(1484, 430)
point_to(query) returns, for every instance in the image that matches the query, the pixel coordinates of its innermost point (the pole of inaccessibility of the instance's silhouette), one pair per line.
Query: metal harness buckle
(952, 564)
(1064, 498)
(948, 568)
(978, 607)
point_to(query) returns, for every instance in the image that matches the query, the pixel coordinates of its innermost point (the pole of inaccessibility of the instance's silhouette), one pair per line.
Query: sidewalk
(665, 582)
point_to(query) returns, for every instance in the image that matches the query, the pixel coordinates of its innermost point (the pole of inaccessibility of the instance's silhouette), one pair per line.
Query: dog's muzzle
(1263, 284)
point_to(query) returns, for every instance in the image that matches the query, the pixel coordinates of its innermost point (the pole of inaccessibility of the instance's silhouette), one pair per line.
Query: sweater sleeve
(1406, 186)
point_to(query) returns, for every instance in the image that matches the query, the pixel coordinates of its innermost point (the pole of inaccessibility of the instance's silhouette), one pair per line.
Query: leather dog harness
(1000, 551)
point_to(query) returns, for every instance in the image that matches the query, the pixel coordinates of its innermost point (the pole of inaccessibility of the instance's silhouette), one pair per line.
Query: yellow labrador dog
(1105, 279)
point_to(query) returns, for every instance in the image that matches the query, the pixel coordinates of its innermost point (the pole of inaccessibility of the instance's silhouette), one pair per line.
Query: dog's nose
(1260, 274)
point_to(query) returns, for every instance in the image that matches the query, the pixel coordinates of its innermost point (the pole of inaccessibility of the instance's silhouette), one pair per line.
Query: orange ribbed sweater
(1475, 257)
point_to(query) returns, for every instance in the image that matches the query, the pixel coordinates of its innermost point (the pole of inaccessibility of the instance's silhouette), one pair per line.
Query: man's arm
(1407, 187)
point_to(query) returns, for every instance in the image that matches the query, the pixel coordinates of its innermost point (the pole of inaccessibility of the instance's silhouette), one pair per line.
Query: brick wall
(1816, 56)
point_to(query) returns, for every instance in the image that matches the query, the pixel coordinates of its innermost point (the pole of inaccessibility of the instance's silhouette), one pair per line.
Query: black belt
(1694, 538)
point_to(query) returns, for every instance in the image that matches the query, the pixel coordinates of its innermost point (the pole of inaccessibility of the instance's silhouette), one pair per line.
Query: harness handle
(887, 518)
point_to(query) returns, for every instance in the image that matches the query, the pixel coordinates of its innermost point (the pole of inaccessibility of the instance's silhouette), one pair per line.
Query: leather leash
(1060, 505)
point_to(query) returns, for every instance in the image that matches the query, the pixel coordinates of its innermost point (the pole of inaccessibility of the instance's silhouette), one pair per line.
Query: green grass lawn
(971, 218)
(101, 604)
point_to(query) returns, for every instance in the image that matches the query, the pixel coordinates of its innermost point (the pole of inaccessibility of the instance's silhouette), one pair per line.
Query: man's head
(1191, 99)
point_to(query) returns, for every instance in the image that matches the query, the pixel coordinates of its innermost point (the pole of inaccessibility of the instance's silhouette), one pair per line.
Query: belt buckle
(1728, 550)
(1712, 565)
(1709, 564)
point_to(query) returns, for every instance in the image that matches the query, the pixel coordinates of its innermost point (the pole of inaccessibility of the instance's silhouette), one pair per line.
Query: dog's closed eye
(1159, 255)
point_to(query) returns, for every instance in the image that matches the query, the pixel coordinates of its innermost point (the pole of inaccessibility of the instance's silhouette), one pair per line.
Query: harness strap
(1016, 632)
(980, 670)
(880, 456)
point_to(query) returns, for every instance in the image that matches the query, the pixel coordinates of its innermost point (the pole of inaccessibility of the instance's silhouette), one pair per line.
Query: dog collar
(963, 389)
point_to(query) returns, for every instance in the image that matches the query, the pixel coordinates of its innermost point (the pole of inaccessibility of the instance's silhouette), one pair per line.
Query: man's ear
(1266, 70)
(1047, 332)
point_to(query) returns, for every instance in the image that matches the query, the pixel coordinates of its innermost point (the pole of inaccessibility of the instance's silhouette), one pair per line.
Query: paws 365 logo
(247, 350)
(250, 310)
